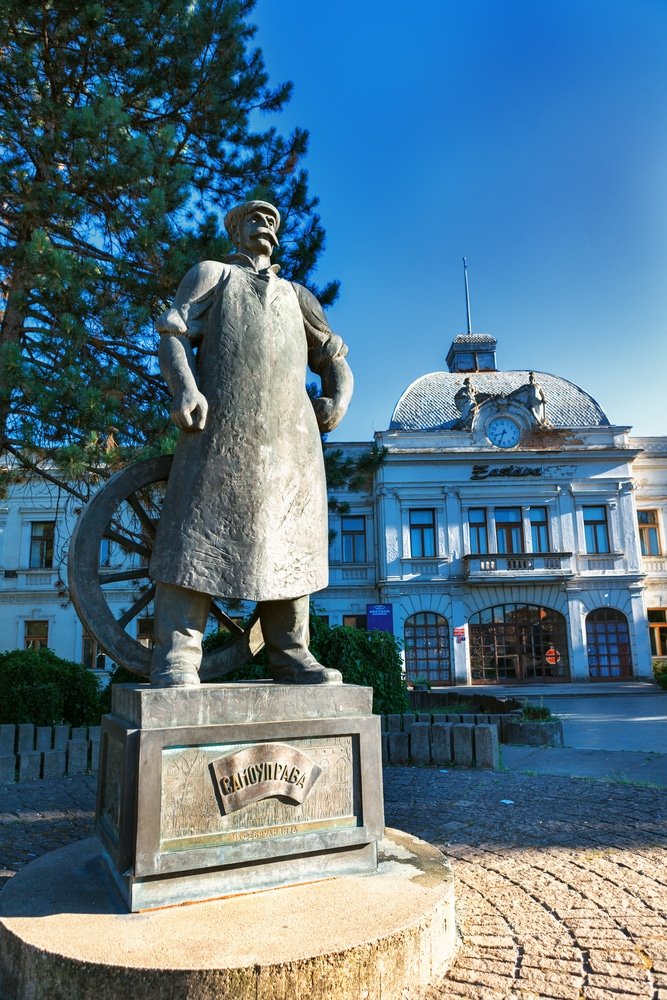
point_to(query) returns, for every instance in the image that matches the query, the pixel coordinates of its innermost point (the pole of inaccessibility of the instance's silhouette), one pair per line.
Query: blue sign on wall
(380, 616)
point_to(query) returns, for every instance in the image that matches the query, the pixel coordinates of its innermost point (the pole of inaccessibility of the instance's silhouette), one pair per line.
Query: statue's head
(252, 227)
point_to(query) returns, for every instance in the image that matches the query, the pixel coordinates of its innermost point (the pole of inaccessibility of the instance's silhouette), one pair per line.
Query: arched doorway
(512, 643)
(426, 643)
(608, 644)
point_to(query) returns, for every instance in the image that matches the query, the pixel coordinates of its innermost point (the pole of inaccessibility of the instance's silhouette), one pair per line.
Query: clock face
(503, 432)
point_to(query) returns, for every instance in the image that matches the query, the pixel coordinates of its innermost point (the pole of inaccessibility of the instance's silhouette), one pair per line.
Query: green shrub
(660, 672)
(39, 687)
(371, 659)
(536, 713)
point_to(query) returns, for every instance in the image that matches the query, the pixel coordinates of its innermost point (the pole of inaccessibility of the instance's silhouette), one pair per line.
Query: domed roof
(428, 403)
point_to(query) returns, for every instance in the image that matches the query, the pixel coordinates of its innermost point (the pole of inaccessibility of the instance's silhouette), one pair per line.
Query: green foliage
(372, 659)
(39, 687)
(660, 672)
(128, 130)
(536, 713)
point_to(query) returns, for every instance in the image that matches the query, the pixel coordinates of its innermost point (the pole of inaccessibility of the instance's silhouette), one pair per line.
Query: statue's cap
(236, 215)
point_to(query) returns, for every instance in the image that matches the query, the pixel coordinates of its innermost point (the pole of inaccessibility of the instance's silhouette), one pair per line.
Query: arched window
(608, 641)
(427, 648)
(511, 643)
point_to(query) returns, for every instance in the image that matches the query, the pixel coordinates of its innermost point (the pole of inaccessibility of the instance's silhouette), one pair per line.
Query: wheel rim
(124, 512)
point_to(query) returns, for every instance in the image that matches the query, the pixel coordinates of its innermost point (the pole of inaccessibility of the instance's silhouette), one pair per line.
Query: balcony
(492, 566)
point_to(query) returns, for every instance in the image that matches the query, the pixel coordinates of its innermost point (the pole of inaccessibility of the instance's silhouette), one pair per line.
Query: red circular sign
(552, 656)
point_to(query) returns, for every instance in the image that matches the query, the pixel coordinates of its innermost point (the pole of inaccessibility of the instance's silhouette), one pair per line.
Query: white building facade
(502, 532)
(511, 535)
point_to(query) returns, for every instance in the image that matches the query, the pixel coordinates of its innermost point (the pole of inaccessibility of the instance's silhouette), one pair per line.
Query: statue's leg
(179, 624)
(286, 636)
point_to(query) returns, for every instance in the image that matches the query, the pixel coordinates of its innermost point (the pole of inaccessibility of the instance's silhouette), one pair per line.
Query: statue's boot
(286, 637)
(179, 623)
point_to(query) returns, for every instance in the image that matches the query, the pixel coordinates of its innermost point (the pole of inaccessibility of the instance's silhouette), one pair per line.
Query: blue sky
(529, 136)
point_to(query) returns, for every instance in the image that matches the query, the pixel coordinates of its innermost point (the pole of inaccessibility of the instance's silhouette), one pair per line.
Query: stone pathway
(561, 882)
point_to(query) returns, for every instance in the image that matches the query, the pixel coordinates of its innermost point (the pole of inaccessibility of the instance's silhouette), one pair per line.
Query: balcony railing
(492, 565)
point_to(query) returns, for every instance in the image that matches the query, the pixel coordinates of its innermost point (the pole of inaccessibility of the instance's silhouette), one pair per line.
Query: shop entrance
(518, 643)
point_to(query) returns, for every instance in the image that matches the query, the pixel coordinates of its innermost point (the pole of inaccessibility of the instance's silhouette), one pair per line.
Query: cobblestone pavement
(561, 882)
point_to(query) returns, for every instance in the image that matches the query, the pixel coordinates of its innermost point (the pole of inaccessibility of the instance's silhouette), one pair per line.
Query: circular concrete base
(64, 933)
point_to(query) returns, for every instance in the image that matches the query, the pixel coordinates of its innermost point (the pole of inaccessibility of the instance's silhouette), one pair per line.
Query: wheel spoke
(225, 620)
(107, 576)
(127, 543)
(143, 516)
(138, 606)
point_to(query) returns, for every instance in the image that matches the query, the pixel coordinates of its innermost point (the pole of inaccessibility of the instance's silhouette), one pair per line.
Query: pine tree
(127, 129)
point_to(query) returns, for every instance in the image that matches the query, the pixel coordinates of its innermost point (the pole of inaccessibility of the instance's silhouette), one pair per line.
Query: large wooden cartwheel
(125, 511)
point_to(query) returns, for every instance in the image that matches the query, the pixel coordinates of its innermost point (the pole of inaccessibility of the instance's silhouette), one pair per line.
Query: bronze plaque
(263, 771)
(190, 814)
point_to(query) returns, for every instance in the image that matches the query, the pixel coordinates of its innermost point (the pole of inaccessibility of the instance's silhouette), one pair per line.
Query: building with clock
(501, 534)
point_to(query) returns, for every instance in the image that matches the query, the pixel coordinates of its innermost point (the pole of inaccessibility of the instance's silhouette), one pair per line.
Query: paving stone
(398, 748)
(43, 738)
(25, 737)
(462, 743)
(77, 756)
(420, 743)
(53, 763)
(7, 739)
(29, 764)
(487, 752)
(60, 737)
(441, 743)
(7, 768)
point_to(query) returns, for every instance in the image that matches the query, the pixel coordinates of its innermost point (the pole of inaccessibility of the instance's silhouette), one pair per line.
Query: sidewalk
(608, 765)
(531, 691)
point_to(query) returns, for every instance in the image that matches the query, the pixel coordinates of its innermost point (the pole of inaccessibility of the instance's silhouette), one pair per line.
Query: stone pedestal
(230, 788)
(65, 934)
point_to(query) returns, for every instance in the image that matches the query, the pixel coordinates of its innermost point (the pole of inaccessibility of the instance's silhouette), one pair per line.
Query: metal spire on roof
(465, 278)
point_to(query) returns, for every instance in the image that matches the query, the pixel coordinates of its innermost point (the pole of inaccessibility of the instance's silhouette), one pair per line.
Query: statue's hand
(189, 410)
(328, 413)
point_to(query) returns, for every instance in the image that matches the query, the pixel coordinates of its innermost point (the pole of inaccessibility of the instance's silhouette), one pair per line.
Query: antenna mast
(465, 278)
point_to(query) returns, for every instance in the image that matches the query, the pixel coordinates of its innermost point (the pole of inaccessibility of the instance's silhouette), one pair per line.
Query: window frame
(422, 531)
(40, 553)
(649, 529)
(478, 530)
(542, 532)
(356, 539)
(596, 529)
(510, 530)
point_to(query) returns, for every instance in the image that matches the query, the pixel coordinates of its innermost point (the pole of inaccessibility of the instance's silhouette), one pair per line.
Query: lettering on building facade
(263, 771)
(505, 471)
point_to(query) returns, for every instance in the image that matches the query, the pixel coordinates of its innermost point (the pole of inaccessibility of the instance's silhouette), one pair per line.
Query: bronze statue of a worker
(245, 514)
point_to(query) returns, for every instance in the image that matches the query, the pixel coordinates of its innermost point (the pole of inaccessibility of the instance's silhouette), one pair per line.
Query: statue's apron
(245, 513)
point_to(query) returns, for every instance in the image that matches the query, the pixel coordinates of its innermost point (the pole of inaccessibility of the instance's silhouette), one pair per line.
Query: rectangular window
(422, 534)
(509, 529)
(92, 656)
(41, 544)
(145, 632)
(353, 535)
(355, 621)
(479, 541)
(539, 532)
(596, 529)
(36, 635)
(648, 532)
(657, 627)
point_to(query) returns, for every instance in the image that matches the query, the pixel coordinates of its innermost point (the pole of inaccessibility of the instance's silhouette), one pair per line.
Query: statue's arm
(326, 357)
(179, 329)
